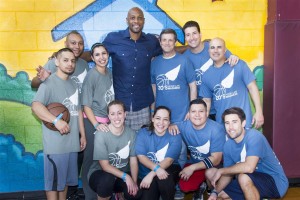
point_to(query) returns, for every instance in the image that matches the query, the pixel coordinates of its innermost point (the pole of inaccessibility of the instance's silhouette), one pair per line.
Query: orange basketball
(56, 109)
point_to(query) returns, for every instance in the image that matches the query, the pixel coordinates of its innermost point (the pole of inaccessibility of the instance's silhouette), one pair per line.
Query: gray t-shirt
(53, 90)
(79, 73)
(116, 149)
(97, 91)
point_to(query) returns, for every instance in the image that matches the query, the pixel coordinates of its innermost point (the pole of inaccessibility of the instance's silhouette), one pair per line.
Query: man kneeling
(251, 169)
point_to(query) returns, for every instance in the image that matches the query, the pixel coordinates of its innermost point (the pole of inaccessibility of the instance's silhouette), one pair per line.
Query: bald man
(131, 51)
(228, 87)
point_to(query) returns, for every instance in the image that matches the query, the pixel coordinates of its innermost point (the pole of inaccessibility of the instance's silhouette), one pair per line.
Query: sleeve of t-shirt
(50, 65)
(189, 71)
(247, 74)
(228, 54)
(87, 91)
(217, 140)
(100, 146)
(42, 95)
(174, 147)
(152, 74)
(254, 146)
(141, 142)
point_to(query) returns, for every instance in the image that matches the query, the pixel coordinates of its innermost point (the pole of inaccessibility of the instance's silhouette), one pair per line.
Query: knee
(244, 180)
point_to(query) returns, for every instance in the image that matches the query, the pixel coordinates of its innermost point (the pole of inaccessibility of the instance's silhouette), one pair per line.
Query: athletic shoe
(178, 195)
(198, 195)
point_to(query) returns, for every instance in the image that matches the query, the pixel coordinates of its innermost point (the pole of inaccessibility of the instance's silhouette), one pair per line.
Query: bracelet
(57, 118)
(124, 177)
(156, 168)
(96, 125)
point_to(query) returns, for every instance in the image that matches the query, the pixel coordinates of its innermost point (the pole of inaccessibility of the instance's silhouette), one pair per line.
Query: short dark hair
(168, 31)
(198, 101)
(234, 110)
(116, 102)
(151, 126)
(59, 52)
(75, 33)
(98, 44)
(191, 24)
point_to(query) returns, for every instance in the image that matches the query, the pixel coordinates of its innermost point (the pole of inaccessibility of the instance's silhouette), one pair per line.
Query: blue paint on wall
(103, 16)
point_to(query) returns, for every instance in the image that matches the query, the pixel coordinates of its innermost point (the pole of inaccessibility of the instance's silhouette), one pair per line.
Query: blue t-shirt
(201, 62)
(131, 67)
(156, 148)
(227, 87)
(203, 142)
(172, 78)
(255, 144)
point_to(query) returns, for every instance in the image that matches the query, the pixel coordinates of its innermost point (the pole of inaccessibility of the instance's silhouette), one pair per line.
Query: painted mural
(32, 30)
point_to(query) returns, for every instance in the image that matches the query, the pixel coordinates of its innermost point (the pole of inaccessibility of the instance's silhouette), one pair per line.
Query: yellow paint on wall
(54, 5)
(17, 5)
(239, 22)
(10, 21)
(25, 34)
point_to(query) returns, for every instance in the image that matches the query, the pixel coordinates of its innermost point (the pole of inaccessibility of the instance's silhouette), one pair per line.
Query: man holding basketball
(60, 147)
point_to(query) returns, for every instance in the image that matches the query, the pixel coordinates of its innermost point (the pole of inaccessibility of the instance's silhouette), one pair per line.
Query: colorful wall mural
(31, 30)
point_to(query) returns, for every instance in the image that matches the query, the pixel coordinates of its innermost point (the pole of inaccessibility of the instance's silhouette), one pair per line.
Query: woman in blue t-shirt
(157, 151)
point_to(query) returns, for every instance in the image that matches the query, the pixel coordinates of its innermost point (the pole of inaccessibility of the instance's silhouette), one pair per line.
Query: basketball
(56, 109)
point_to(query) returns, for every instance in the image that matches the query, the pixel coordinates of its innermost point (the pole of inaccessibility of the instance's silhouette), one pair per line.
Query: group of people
(160, 124)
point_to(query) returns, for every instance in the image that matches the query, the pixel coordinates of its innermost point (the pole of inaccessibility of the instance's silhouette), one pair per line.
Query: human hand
(82, 143)
(257, 120)
(161, 173)
(42, 73)
(232, 60)
(132, 187)
(62, 127)
(147, 180)
(102, 127)
(173, 129)
(186, 173)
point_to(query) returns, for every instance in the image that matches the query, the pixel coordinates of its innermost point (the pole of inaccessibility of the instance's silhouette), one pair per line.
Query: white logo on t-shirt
(196, 152)
(220, 89)
(200, 71)
(163, 80)
(159, 155)
(72, 103)
(116, 158)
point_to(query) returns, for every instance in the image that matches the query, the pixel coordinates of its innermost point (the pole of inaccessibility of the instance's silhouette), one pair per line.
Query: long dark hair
(151, 125)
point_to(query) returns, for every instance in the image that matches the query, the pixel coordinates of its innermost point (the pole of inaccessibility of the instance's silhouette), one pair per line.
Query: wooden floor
(293, 193)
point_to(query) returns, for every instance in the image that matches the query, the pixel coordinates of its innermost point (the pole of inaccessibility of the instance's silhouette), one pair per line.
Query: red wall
(282, 83)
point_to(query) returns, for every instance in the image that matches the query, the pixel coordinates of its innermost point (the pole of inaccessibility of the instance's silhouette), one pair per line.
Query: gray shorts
(60, 170)
(136, 119)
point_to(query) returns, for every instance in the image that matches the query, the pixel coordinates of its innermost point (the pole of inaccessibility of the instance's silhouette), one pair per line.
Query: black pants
(105, 184)
(164, 188)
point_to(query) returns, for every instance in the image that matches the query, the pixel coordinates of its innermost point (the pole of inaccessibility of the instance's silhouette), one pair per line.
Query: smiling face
(161, 121)
(116, 115)
(234, 127)
(75, 43)
(135, 20)
(198, 115)
(217, 50)
(192, 37)
(167, 43)
(100, 56)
